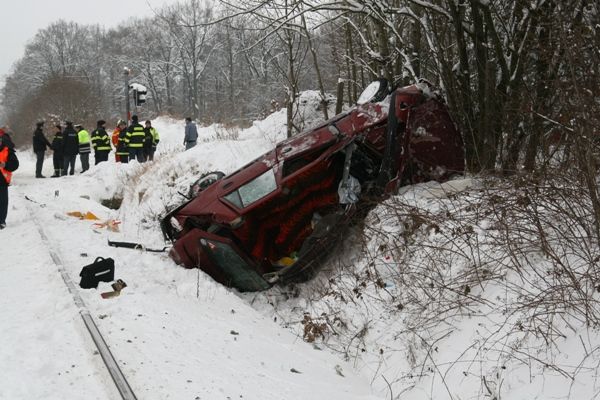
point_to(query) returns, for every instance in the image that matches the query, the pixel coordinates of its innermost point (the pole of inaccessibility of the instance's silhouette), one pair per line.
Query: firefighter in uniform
(122, 143)
(100, 142)
(135, 140)
(57, 156)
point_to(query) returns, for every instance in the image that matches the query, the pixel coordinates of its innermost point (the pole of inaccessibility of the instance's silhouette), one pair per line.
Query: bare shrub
(224, 132)
(512, 263)
(313, 329)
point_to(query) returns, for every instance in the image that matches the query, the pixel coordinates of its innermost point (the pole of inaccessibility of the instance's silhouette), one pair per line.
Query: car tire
(205, 181)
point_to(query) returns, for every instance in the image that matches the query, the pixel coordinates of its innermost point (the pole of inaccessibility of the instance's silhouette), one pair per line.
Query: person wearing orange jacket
(8, 164)
(115, 137)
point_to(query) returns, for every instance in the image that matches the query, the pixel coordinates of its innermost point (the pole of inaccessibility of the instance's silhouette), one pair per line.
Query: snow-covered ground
(177, 334)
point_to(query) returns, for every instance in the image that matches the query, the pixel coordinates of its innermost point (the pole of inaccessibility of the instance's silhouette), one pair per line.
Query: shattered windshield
(254, 190)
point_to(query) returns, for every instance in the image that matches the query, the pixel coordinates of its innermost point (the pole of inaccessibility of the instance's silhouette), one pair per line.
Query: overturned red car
(277, 218)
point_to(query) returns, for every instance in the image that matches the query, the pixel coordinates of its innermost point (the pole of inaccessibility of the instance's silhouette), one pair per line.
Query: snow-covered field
(175, 332)
(179, 335)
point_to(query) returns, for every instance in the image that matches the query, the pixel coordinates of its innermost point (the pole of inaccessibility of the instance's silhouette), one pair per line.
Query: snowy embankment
(175, 332)
(445, 292)
(465, 290)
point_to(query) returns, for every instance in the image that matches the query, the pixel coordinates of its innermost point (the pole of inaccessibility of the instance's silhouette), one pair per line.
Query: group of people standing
(133, 142)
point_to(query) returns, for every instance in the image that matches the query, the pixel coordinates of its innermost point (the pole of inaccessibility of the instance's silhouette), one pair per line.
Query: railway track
(109, 360)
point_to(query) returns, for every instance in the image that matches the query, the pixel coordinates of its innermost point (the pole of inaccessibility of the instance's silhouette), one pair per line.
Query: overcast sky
(21, 19)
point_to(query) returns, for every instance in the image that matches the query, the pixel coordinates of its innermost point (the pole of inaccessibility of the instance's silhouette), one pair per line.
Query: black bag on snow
(102, 269)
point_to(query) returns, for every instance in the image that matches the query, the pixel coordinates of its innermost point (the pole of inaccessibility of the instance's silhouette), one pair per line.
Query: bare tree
(500, 64)
(193, 38)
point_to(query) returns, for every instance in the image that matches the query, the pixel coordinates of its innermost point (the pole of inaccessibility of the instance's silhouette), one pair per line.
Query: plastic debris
(110, 224)
(117, 287)
(78, 214)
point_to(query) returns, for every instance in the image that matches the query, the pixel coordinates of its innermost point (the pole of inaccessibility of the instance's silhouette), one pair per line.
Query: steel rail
(109, 360)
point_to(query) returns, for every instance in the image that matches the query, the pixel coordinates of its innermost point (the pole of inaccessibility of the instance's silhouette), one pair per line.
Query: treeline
(520, 76)
(74, 71)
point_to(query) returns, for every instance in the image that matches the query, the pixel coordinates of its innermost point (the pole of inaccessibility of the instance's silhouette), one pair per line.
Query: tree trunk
(351, 67)
(544, 74)
(231, 69)
(317, 69)
(464, 100)
(340, 97)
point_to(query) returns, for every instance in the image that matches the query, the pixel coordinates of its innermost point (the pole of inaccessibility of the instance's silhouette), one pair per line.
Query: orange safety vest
(4, 158)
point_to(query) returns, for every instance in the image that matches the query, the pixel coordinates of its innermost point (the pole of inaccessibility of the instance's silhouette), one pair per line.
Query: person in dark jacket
(58, 156)
(100, 142)
(70, 148)
(40, 143)
(147, 141)
(8, 164)
(191, 134)
(135, 139)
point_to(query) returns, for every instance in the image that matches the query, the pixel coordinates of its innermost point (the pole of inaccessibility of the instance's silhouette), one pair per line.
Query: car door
(239, 269)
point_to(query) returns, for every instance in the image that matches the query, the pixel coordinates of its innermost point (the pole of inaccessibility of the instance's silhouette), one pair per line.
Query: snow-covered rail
(109, 360)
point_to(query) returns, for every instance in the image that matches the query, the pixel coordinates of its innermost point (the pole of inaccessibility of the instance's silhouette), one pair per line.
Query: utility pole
(126, 72)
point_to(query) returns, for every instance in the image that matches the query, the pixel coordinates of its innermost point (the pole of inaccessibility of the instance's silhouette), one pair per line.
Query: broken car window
(254, 190)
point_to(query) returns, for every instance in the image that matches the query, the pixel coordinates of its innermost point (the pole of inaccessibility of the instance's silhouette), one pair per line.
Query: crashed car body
(277, 218)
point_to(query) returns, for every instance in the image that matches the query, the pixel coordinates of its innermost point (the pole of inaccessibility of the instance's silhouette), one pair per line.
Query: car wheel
(374, 92)
(205, 181)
